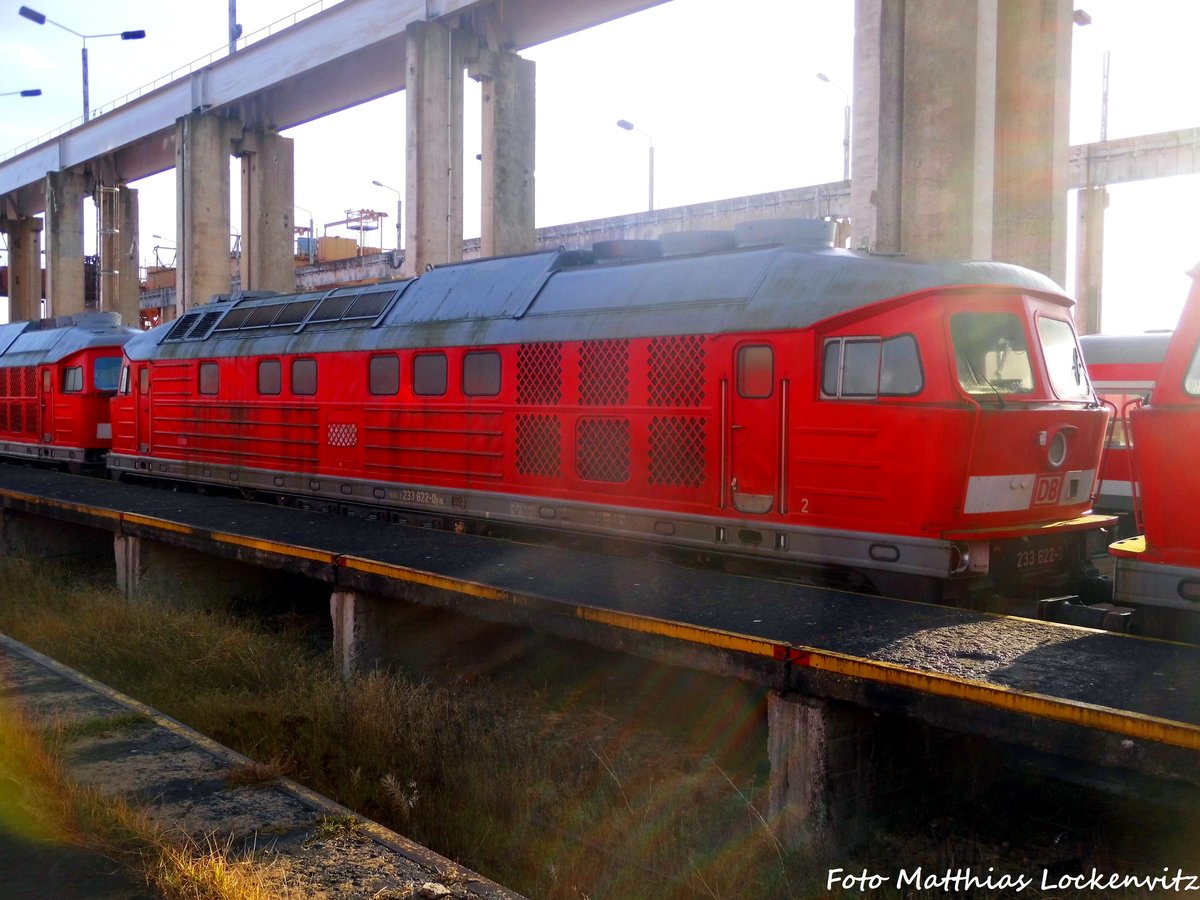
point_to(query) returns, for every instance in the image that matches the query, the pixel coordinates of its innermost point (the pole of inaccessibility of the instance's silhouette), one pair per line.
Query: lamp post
(845, 124)
(312, 238)
(399, 203)
(35, 16)
(628, 126)
(32, 92)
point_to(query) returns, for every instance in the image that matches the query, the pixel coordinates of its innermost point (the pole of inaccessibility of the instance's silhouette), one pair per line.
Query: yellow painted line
(1130, 724)
(160, 524)
(36, 500)
(428, 579)
(293, 550)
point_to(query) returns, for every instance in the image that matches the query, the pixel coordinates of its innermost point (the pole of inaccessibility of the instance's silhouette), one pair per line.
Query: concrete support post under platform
(1033, 108)
(507, 225)
(364, 629)
(837, 769)
(202, 146)
(148, 569)
(436, 56)
(65, 292)
(268, 192)
(24, 268)
(1089, 259)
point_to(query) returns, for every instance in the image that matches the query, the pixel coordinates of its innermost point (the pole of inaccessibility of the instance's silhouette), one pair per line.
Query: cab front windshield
(991, 354)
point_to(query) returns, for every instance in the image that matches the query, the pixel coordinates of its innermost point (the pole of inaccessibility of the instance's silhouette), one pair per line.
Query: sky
(732, 104)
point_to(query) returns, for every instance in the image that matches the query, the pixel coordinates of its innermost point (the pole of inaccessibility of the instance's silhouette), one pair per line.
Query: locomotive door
(142, 416)
(754, 430)
(46, 405)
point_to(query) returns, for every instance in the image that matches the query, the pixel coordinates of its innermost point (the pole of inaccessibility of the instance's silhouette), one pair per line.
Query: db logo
(1047, 490)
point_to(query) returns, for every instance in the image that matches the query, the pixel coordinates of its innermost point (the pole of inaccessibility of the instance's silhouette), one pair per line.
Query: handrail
(200, 62)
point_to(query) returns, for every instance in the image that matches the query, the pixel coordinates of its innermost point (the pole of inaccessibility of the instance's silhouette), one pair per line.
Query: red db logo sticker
(1047, 490)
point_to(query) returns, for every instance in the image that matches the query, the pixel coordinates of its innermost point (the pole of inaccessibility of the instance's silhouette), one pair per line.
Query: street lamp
(399, 202)
(33, 92)
(35, 16)
(845, 124)
(628, 126)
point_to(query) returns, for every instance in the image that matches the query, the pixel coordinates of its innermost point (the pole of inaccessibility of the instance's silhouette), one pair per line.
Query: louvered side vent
(539, 374)
(31, 418)
(539, 445)
(30, 373)
(204, 325)
(677, 451)
(604, 373)
(677, 371)
(602, 449)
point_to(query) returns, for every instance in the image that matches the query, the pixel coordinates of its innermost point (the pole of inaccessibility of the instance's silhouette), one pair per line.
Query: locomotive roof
(50, 340)
(1114, 349)
(569, 295)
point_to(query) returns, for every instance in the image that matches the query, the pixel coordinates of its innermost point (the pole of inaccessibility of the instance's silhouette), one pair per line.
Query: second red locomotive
(928, 429)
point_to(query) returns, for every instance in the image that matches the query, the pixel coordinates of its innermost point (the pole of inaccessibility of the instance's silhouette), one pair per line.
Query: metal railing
(199, 63)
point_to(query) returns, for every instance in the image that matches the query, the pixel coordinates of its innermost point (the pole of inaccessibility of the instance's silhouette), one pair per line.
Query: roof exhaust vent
(809, 234)
(607, 251)
(684, 243)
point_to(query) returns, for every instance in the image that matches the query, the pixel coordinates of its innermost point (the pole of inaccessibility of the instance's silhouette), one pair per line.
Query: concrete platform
(1097, 696)
(181, 778)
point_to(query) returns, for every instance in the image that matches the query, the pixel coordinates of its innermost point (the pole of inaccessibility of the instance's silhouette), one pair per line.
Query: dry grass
(54, 809)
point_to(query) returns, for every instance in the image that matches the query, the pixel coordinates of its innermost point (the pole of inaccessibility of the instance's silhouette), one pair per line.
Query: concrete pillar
(1089, 259)
(129, 287)
(202, 149)
(877, 150)
(64, 243)
(365, 629)
(152, 570)
(24, 267)
(435, 57)
(508, 152)
(268, 192)
(1033, 107)
(838, 770)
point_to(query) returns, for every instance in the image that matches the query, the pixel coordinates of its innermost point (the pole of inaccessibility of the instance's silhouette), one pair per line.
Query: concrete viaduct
(974, 165)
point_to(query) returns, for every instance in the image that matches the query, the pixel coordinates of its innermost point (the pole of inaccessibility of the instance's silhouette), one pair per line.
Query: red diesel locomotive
(1123, 369)
(928, 428)
(1160, 569)
(56, 379)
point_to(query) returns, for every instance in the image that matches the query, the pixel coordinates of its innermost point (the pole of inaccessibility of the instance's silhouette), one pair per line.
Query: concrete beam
(64, 243)
(435, 56)
(508, 152)
(202, 210)
(37, 537)
(365, 628)
(24, 267)
(268, 194)
(1033, 107)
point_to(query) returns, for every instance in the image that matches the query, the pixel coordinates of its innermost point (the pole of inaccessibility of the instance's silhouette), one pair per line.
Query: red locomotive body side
(772, 402)
(1161, 567)
(57, 377)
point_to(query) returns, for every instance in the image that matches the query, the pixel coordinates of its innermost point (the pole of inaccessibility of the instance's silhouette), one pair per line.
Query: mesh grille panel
(677, 451)
(539, 445)
(604, 373)
(602, 450)
(539, 374)
(677, 371)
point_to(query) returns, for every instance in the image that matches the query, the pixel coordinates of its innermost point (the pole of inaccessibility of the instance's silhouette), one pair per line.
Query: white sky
(731, 100)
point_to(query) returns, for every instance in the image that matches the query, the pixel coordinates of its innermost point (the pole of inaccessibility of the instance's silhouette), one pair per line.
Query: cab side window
(858, 368)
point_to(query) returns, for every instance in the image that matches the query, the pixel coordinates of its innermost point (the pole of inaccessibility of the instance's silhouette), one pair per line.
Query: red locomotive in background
(56, 379)
(927, 429)
(1123, 370)
(1160, 569)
